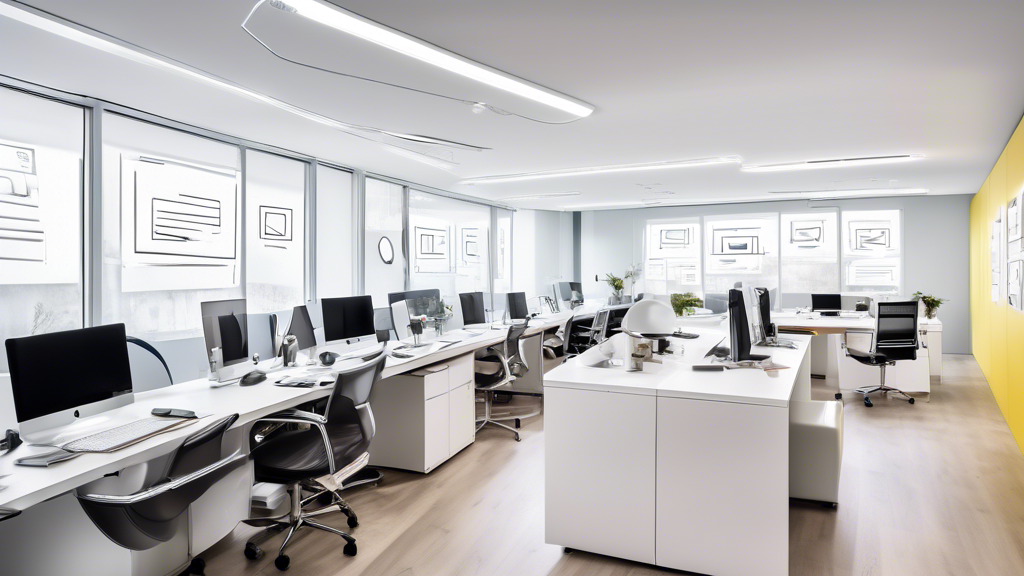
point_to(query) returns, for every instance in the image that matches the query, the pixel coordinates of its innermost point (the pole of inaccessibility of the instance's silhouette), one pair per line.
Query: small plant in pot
(931, 303)
(617, 286)
(684, 304)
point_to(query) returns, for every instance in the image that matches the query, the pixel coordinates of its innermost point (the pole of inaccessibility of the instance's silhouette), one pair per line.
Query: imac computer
(301, 327)
(235, 340)
(827, 304)
(348, 321)
(90, 375)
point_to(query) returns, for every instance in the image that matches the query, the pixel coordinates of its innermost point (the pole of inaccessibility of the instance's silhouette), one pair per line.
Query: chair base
(482, 423)
(866, 390)
(299, 517)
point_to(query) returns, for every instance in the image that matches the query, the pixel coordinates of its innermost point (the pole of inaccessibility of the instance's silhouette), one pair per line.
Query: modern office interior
(341, 287)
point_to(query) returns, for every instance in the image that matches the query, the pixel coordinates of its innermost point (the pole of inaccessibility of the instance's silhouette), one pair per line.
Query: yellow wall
(997, 329)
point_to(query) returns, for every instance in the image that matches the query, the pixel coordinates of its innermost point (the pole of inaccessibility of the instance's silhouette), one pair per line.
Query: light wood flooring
(932, 489)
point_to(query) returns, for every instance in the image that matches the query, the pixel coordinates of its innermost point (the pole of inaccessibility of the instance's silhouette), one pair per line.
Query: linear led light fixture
(837, 163)
(667, 165)
(856, 193)
(111, 45)
(540, 196)
(350, 23)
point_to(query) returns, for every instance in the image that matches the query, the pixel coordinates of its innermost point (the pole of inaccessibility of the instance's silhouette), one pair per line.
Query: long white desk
(53, 521)
(682, 469)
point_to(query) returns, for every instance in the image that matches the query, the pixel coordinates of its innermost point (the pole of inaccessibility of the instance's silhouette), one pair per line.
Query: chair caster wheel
(353, 521)
(252, 551)
(839, 395)
(518, 423)
(566, 550)
(282, 562)
(518, 438)
(911, 400)
(867, 402)
(198, 566)
(350, 549)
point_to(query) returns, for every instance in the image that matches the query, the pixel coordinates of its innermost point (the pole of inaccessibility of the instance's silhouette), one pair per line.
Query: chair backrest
(570, 330)
(599, 328)
(896, 333)
(149, 369)
(473, 311)
(146, 523)
(400, 319)
(349, 407)
(717, 302)
(382, 324)
(566, 333)
(517, 308)
(513, 348)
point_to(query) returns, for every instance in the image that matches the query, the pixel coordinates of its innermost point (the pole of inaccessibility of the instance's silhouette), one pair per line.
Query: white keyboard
(122, 436)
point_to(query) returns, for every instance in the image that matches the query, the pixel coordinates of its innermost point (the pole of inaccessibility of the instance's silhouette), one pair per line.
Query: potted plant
(617, 286)
(684, 304)
(633, 274)
(931, 303)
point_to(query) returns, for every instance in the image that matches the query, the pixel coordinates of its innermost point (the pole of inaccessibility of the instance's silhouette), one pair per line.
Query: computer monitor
(739, 329)
(226, 331)
(302, 328)
(348, 320)
(826, 302)
(473, 311)
(764, 308)
(517, 308)
(563, 291)
(59, 377)
(576, 287)
(413, 295)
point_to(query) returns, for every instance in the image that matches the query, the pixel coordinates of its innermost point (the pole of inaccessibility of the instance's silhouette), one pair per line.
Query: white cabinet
(424, 417)
(599, 449)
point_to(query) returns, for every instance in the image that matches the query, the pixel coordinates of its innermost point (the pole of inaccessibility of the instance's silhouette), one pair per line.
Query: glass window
(741, 250)
(42, 155)
(672, 257)
(449, 245)
(335, 223)
(275, 223)
(384, 258)
(171, 227)
(503, 251)
(810, 253)
(871, 251)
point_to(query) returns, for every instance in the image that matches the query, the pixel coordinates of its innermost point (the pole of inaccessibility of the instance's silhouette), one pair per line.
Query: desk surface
(790, 318)
(675, 377)
(28, 486)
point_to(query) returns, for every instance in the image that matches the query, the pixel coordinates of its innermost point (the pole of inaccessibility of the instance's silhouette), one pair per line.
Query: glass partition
(335, 224)
(741, 250)
(384, 251)
(672, 250)
(871, 251)
(810, 253)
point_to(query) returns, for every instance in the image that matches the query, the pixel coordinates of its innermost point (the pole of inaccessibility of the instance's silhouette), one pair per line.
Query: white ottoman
(815, 450)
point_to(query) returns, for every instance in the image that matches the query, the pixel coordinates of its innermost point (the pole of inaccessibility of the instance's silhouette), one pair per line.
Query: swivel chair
(895, 338)
(146, 518)
(599, 328)
(332, 449)
(497, 368)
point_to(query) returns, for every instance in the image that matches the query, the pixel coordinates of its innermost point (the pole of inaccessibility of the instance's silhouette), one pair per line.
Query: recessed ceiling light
(667, 165)
(541, 196)
(603, 205)
(350, 23)
(837, 163)
(833, 194)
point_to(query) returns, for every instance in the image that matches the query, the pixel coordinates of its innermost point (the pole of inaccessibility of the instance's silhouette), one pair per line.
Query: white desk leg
(723, 488)
(835, 348)
(802, 387)
(599, 450)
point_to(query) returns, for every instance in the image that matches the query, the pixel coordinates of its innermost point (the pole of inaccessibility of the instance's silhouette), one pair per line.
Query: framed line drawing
(807, 233)
(276, 223)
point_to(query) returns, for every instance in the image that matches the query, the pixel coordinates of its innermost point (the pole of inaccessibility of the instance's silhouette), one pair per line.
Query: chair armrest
(312, 417)
(873, 356)
(8, 513)
(301, 417)
(159, 489)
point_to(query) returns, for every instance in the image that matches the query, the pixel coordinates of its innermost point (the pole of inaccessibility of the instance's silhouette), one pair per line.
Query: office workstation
(332, 287)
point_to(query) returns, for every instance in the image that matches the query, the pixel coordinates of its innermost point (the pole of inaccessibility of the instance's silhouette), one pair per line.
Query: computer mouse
(252, 378)
(328, 358)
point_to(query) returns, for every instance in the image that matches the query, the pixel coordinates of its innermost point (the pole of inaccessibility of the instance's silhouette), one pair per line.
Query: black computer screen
(517, 309)
(473, 311)
(62, 370)
(826, 302)
(739, 329)
(346, 318)
(302, 328)
(764, 306)
(225, 326)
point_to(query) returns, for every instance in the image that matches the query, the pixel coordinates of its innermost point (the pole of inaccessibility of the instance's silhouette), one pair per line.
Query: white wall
(542, 250)
(935, 254)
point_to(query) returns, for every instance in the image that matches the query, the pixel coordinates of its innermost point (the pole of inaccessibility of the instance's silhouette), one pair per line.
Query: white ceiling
(771, 82)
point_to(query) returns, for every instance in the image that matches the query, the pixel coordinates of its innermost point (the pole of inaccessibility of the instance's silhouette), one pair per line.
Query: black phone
(173, 413)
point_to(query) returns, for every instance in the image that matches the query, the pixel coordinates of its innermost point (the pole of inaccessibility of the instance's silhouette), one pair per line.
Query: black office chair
(143, 520)
(895, 338)
(473, 311)
(598, 330)
(555, 345)
(332, 449)
(576, 336)
(499, 367)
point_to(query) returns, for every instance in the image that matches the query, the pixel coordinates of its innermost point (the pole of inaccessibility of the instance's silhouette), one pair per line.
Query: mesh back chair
(895, 339)
(576, 337)
(599, 328)
(149, 517)
(473, 311)
(322, 454)
(499, 367)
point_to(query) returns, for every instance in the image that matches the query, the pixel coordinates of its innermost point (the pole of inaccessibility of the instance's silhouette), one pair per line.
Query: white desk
(698, 461)
(27, 541)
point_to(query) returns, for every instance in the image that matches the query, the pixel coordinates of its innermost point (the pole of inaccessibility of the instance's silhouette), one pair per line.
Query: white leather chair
(815, 450)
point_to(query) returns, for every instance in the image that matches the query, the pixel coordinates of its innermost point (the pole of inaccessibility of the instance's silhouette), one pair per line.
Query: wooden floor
(934, 488)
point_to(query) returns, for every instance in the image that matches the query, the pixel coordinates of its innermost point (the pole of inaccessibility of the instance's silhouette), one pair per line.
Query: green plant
(685, 302)
(615, 282)
(931, 303)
